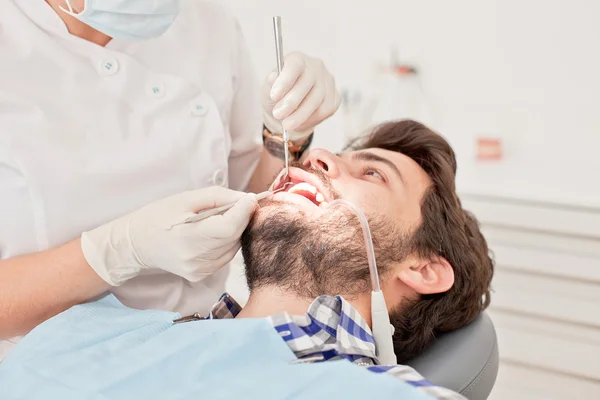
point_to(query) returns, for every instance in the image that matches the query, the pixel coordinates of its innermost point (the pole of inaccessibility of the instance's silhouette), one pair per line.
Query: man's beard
(284, 247)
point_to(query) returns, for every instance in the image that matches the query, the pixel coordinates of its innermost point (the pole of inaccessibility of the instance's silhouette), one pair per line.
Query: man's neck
(76, 27)
(269, 301)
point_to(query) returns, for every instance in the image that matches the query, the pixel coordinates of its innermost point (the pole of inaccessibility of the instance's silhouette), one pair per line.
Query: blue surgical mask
(130, 20)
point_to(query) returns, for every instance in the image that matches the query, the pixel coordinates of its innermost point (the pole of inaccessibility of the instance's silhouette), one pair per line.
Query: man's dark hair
(447, 230)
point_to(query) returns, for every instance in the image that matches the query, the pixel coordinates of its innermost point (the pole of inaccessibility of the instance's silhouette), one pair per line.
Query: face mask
(130, 20)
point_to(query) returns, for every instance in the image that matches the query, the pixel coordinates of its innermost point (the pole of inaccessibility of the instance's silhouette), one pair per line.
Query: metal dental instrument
(279, 53)
(220, 210)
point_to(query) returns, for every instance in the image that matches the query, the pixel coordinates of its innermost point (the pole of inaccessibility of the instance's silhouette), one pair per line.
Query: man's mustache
(321, 176)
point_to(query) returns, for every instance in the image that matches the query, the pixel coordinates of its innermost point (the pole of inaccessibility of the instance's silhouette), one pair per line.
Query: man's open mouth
(307, 185)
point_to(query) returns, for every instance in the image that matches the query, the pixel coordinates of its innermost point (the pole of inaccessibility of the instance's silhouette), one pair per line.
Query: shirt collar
(331, 325)
(225, 308)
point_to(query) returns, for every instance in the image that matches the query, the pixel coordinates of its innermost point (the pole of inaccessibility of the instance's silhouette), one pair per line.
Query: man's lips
(302, 188)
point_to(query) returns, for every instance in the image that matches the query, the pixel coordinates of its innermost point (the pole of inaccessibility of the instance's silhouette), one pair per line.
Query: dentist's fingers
(272, 77)
(327, 108)
(227, 256)
(222, 257)
(294, 98)
(265, 96)
(201, 199)
(309, 105)
(231, 225)
(302, 97)
(293, 68)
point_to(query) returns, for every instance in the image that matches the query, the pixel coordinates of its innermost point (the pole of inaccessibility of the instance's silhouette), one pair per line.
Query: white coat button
(156, 91)
(219, 177)
(199, 107)
(109, 67)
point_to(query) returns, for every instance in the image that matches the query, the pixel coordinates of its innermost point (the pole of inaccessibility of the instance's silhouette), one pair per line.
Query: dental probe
(220, 210)
(279, 53)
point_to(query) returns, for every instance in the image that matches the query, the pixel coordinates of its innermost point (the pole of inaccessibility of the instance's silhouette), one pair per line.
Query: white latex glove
(300, 98)
(146, 238)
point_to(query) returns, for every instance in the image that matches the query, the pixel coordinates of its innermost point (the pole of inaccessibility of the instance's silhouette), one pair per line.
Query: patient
(307, 269)
(432, 258)
(433, 261)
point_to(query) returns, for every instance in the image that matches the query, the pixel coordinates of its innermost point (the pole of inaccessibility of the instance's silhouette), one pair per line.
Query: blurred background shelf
(546, 305)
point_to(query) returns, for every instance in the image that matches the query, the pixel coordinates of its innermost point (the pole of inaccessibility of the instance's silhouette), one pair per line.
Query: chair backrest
(465, 360)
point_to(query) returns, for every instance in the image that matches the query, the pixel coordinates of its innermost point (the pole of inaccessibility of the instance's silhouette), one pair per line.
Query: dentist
(119, 118)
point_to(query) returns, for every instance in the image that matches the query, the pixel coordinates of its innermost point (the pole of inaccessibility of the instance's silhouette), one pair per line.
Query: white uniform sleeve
(246, 119)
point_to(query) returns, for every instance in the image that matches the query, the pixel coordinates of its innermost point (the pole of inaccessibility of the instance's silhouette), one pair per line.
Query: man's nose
(324, 161)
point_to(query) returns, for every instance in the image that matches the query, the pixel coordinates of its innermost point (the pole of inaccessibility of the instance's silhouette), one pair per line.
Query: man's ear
(429, 276)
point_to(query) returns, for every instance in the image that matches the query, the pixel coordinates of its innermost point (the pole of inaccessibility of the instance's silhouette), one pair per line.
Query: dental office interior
(513, 85)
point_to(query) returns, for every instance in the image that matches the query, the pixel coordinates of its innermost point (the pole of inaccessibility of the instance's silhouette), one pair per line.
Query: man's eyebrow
(368, 156)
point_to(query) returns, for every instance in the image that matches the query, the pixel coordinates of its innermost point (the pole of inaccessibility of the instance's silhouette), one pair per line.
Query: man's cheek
(369, 200)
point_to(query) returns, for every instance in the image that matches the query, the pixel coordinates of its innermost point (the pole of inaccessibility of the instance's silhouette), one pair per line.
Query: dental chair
(465, 360)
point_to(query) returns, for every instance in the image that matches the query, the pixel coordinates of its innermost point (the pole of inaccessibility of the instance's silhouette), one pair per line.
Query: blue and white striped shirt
(332, 330)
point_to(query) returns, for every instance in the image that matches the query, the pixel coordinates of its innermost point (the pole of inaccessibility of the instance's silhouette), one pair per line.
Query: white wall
(525, 70)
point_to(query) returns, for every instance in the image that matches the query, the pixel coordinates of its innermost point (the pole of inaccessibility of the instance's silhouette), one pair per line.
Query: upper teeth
(303, 186)
(307, 187)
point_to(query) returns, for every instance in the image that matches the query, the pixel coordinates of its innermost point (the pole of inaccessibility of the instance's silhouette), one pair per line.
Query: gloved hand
(147, 238)
(300, 98)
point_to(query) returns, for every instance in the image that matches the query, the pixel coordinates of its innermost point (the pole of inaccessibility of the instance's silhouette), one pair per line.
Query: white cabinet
(546, 300)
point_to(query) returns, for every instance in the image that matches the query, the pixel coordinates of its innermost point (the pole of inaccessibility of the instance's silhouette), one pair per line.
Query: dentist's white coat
(90, 133)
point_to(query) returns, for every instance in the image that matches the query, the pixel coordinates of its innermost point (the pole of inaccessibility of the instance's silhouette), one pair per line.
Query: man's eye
(373, 172)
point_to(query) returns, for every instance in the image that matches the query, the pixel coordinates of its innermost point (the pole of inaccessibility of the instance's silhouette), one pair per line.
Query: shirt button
(219, 177)
(157, 91)
(199, 107)
(109, 67)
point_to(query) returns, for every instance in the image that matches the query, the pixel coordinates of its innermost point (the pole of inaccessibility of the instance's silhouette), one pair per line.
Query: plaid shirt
(332, 330)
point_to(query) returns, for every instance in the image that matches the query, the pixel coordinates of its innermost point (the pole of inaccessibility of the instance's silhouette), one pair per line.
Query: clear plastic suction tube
(368, 240)
(380, 318)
